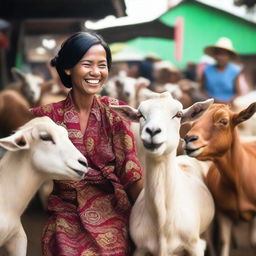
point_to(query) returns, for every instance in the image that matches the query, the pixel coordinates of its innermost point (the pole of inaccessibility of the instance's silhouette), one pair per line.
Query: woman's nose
(95, 71)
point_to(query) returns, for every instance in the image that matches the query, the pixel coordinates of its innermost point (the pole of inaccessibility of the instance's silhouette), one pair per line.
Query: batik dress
(90, 217)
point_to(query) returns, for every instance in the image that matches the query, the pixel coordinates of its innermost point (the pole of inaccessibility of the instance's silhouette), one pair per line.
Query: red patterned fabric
(90, 217)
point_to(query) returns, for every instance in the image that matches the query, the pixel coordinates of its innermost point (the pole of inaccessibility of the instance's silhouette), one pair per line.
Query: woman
(90, 217)
(222, 80)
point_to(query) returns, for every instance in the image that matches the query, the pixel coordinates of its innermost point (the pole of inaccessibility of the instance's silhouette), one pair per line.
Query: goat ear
(142, 82)
(18, 75)
(244, 114)
(15, 142)
(127, 112)
(196, 110)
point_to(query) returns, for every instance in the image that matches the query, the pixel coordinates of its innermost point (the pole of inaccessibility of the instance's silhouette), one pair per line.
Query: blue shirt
(220, 85)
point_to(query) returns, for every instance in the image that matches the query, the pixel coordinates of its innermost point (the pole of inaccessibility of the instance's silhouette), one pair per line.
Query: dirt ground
(35, 217)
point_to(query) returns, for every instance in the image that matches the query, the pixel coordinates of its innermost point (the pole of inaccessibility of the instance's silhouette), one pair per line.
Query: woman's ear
(68, 72)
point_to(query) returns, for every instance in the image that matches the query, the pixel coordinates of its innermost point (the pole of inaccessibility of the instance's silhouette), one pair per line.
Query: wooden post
(178, 38)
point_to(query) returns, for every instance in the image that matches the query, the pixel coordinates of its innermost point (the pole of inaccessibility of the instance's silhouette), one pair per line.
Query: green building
(202, 25)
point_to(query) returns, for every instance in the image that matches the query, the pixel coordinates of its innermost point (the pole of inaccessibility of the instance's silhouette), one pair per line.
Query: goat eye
(46, 137)
(139, 115)
(179, 114)
(223, 121)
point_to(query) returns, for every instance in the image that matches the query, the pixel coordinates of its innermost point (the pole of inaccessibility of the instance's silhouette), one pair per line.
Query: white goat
(126, 88)
(38, 151)
(28, 85)
(247, 128)
(175, 206)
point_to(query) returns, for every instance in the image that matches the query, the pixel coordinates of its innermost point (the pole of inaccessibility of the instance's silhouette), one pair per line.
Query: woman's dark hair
(73, 49)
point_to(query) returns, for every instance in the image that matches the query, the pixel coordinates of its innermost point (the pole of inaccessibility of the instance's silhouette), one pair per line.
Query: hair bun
(54, 61)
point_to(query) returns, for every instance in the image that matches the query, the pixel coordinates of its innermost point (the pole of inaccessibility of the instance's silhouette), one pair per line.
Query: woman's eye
(179, 114)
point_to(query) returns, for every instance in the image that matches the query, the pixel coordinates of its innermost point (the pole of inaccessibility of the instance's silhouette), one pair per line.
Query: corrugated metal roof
(229, 7)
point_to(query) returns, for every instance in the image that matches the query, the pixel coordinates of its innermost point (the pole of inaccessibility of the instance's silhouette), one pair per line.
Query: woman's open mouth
(92, 81)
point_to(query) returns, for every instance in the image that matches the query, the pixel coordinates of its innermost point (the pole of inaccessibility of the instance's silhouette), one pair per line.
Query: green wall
(162, 47)
(203, 26)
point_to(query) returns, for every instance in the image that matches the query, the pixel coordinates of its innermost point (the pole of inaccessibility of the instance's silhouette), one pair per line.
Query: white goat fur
(130, 90)
(175, 206)
(247, 128)
(28, 85)
(38, 151)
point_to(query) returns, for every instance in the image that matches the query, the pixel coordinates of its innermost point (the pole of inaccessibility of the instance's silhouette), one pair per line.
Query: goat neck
(159, 178)
(19, 182)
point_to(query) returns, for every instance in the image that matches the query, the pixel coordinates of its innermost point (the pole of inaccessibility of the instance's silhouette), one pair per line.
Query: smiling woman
(90, 73)
(91, 216)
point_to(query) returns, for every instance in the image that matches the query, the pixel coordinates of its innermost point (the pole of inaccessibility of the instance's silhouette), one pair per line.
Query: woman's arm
(241, 85)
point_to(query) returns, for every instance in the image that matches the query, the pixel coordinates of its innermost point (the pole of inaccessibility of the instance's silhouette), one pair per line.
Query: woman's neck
(81, 101)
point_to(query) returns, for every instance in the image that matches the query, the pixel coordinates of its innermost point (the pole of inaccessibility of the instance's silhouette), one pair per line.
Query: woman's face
(91, 72)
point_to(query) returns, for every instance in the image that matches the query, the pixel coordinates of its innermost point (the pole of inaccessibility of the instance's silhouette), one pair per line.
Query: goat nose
(153, 132)
(82, 162)
(190, 138)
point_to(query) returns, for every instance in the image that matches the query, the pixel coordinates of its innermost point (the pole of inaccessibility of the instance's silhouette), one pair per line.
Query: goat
(28, 85)
(232, 176)
(38, 151)
(175, 206)
(247, 128)
(125, 88)
(16, 100)
(14, 112)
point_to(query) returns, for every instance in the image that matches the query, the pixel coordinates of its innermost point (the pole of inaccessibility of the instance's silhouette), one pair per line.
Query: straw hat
(224, 44)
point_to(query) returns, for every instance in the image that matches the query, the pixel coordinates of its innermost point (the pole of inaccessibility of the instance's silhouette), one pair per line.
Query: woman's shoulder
(48, 109)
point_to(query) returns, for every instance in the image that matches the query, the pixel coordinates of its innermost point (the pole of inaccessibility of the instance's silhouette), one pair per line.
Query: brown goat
(14, 112)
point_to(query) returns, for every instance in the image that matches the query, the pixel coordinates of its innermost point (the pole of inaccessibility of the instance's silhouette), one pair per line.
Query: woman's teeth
(92, 81)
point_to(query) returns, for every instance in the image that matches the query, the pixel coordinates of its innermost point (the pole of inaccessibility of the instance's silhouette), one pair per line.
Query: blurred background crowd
(163, 42)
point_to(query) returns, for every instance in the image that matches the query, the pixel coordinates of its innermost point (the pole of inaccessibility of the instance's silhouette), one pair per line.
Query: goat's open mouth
(80, 173)
(151, 146)
(192, 151)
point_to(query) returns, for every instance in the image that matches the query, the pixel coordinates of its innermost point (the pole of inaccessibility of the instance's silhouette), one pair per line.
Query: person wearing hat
(222, 80)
